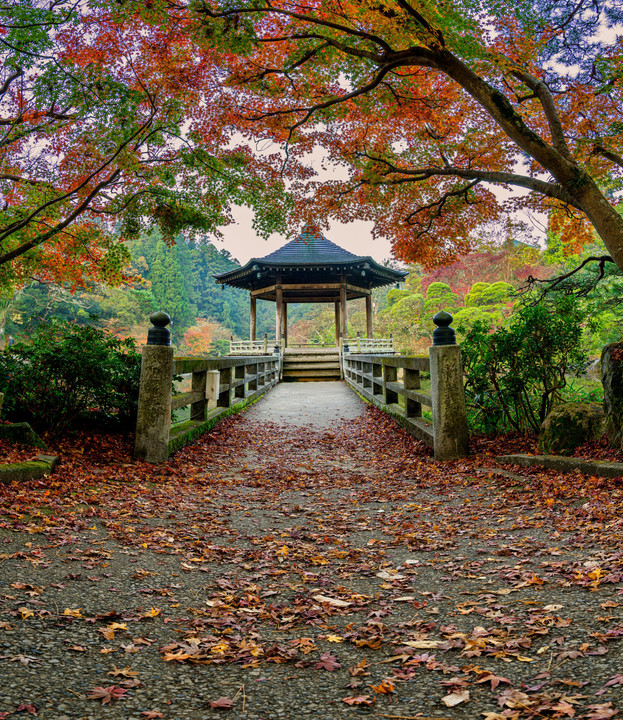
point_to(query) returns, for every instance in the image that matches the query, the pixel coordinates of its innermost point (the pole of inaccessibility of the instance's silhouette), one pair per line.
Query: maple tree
(111, 120)
(427, 105)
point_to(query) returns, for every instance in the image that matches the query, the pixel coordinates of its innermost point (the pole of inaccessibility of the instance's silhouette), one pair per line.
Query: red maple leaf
(113, 692)
(328, 662)
(359, 700)
(223, 703)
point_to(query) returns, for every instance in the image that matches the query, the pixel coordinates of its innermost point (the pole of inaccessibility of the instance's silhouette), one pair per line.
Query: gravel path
(308, 559)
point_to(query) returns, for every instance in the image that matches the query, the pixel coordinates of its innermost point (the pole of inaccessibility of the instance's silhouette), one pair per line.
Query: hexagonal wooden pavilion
(311, 269)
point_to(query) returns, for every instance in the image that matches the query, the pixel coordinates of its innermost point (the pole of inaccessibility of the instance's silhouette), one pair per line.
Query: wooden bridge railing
(376, 378)
(219, 386)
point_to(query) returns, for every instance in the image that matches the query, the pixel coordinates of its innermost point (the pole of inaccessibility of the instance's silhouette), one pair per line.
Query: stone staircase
(301, 364)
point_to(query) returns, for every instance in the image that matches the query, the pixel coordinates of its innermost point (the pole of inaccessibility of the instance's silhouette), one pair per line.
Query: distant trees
(176, 278)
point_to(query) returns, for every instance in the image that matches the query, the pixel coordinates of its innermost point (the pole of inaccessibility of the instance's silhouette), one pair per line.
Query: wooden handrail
(375, 377)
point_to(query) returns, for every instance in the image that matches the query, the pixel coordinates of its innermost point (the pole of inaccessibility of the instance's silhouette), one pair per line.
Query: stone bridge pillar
(451, 439)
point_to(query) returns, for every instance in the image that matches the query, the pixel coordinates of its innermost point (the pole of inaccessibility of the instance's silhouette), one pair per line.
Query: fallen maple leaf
(223, 703)
(359, 669)
(385, 688)
(28, 708)
(113, 692)
(328, 662)
(331, 601)
(152, 714)
(77, 613)
(601, 712)
(359, 700)
(455, 698)
(614, 680)
(334, 638)
(489, 677)
(124, 672)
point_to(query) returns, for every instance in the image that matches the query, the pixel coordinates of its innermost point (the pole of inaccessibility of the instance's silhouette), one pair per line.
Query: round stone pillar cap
(443, 334)
(160, 333)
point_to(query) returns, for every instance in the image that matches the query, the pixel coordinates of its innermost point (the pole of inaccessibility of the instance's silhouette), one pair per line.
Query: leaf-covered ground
(280, 571)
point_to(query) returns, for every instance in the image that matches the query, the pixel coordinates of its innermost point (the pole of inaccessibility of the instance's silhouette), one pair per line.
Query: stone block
(612, 380)
(569, 425)
(22, 434)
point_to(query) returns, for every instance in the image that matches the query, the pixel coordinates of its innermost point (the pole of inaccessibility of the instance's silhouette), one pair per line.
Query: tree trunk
(605, 218)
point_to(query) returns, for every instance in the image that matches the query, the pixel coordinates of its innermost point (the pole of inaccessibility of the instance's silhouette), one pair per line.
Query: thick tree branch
(59, 227)
(21, 224)
(542, 92)
(264, 9)
(608, 154)
(497, 177)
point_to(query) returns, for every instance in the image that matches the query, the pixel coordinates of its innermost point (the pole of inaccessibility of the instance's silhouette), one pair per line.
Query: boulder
(570, 425)
(612, 380)
(22, 434)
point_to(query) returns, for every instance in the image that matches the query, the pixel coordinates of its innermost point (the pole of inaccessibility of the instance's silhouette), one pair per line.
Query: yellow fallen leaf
(77, 613)
(334, 638)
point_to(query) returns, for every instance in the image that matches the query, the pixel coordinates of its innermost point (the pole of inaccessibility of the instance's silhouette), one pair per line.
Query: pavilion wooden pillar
(284, 332)
(343, 311)
(278, 319)
(252, 332)
(337, 323)
(369, 315)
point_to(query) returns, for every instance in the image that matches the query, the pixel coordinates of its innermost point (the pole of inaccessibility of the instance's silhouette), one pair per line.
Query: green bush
(515, 375)
(67, 373)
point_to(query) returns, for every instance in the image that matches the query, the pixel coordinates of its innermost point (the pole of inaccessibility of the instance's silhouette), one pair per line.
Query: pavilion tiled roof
(310, 257)
(310, 247)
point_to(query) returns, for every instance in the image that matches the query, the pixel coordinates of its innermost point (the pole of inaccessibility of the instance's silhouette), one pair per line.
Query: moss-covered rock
(570, 425)
(612, 380)
(22, 434)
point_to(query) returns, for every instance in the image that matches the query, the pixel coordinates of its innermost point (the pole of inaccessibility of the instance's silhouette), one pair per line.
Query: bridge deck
(320, 404)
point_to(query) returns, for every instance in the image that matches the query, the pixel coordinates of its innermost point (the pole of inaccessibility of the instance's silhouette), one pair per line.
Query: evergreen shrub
(68, 373)
(515, 375)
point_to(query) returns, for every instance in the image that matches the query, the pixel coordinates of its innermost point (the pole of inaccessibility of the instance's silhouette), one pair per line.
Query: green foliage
(516, 374)
(439, 296)
(68, 371)
(489, 293)
(395, 295)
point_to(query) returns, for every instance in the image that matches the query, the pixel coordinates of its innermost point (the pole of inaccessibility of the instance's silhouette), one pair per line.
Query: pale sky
(243, 244)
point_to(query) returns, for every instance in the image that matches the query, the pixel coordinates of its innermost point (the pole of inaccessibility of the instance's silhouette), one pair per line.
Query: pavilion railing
(265, 346)
(394, 385)
(384, 346)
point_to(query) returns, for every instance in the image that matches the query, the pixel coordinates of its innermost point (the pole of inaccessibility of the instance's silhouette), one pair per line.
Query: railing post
(153, 420)
(390, 374)
(451, 439)
(198, 409)
(412, 382)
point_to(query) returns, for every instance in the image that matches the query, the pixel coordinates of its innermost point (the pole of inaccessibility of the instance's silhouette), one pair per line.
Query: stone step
(311, 358)
(319, 353)
(311, 366)
(312, 349)
(311, 374)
